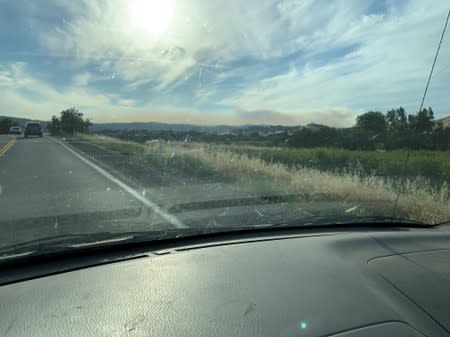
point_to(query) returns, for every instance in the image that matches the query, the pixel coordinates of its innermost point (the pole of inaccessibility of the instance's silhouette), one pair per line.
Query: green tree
(424, 121)
(309, 137)
(371, 121)
(421, 126)
(5, 124)
(54, 126)
(397, 119)
(304, 138)
(369, 132)
(72, 121)
(441, 137)
(398, 134)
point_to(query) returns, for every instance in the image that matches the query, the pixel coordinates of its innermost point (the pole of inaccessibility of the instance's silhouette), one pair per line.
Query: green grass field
(430, 164)
(360, 177)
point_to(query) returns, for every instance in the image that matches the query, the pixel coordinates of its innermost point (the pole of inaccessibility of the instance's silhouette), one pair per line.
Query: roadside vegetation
(363, 165)
(293, 171)
(434, 165)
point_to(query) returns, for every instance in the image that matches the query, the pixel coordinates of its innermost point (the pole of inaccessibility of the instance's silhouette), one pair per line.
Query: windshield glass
(186, 116)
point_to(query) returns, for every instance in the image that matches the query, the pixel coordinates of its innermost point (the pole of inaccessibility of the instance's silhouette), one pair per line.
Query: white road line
(158, 210)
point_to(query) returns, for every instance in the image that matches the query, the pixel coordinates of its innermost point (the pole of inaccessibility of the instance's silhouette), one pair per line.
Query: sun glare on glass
(151, 16)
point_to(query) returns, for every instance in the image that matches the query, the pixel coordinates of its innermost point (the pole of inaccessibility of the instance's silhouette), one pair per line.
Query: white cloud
(82, 79)
(24, 95)
(12, 75)
(175, 73)
(29, 96)
(5, 80)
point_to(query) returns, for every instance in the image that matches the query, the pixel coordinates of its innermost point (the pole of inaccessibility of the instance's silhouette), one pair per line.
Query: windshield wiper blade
(352, 220)
(58, 240)
(71, 242)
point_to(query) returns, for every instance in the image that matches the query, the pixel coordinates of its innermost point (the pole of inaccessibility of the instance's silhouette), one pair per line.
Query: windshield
(189, 116)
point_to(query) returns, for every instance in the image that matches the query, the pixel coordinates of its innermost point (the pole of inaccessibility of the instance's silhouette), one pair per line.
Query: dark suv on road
(32, 129)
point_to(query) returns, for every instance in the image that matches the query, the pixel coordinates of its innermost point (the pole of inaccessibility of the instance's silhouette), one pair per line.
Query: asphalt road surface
(3, 141)
(41, 182)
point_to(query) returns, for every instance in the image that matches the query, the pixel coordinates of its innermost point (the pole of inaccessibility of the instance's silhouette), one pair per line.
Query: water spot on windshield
(250, 309)
(259, 213)
(352, 209)
(132, 325)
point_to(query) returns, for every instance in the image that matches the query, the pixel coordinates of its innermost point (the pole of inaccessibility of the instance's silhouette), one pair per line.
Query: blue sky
(216, 62)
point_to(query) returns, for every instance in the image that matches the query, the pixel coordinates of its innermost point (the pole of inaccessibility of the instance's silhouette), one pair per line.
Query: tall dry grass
(419, 199)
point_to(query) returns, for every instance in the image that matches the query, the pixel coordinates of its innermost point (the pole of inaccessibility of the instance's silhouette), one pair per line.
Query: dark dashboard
(371, 282)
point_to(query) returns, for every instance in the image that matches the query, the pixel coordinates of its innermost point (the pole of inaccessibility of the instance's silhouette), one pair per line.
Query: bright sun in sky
(152, 16)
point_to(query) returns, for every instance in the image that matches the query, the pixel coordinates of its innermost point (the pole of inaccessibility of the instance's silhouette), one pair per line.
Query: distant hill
(315, 126)
(445, 121)
(155, 126)
(22, 121)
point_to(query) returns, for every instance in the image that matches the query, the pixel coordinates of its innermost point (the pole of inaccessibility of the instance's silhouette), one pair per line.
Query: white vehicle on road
(15, 130)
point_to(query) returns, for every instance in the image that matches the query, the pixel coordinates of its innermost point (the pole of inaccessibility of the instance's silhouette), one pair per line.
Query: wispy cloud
(82, 79)
(385, 70)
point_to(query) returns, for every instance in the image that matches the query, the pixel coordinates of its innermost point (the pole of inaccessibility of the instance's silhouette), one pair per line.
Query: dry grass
(419, 200)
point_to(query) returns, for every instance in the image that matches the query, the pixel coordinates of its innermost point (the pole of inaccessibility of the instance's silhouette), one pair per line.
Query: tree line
(374, 130)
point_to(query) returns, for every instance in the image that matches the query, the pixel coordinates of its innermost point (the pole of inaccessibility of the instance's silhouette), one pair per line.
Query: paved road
(4, 139)
(40, 178)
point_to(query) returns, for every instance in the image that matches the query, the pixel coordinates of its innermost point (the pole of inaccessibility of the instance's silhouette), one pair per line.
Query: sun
(152, 16)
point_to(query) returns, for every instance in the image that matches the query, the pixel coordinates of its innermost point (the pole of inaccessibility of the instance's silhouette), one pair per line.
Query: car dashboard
(367, 282)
